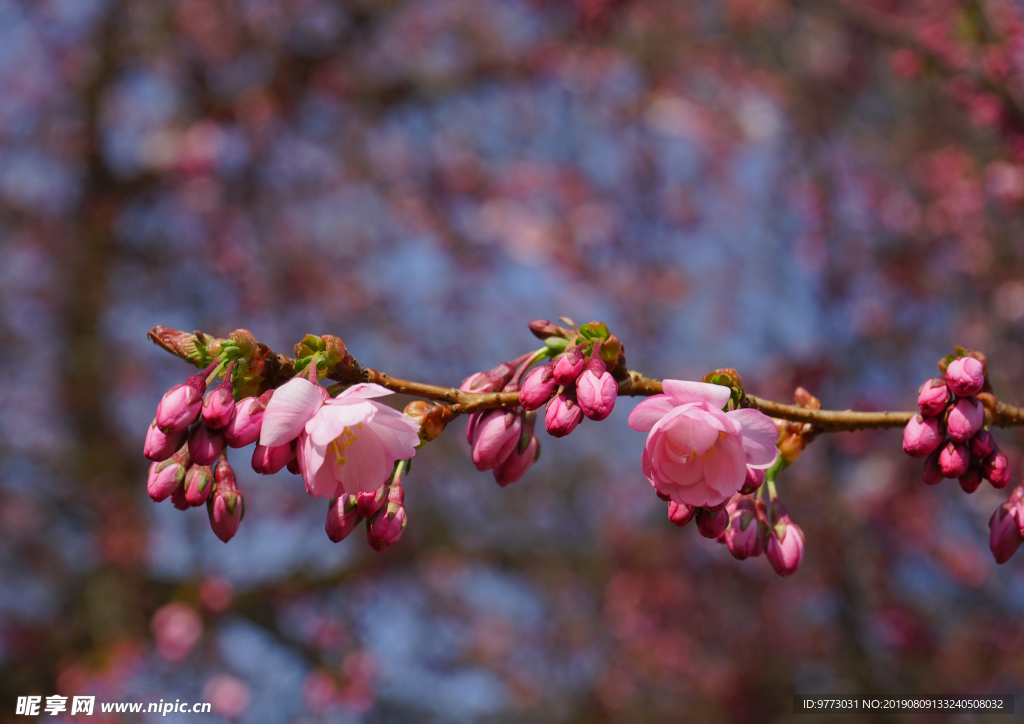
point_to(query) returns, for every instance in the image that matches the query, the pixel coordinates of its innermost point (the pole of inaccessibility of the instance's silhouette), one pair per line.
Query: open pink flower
(695, 453)
(348, 444)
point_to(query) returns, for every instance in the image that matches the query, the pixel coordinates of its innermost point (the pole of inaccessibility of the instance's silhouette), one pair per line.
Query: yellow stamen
(360, 426)
(721, 435)
(337, 453)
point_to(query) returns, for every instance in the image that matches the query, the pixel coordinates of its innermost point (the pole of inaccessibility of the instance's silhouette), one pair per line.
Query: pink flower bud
(386, 527)
(538, 387)
(996, 470)
(970, 480)
(965, 376)
(270, 460)
(495, 436)
(1005, 537)
(680, 514)
(932, 472)
(965, 418)
(954, 459)
(933, 397)
(712, 523)
(198, 484)
(245, 425)
(921, 436)
(491, 380)
(982, 445)
(178, 498)
(785, 548)
(180, 405)
(166, 477)
(515, 465)
(753, 480)
(568, 366)
(219, 406)
(205, 445)
(368, 503)
(743, 536)
(562, 414)
(161, 445)
(342, 517)
(596, 391)
(226, 507)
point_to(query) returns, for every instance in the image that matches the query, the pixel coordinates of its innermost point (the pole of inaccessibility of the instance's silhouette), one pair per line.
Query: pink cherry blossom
(346, 444)
(922, 435)
(933, 397)
(785, 548)
(247, 422)
(965, 418)
(996, 469)
(562, 414)
(965, 376)
(205, 445)
(180, 405)
(219, 406)
(494, 437)
(342, 518)
(568, 366)
(954, 459)
(696, 453)
(1005, 536)
(596, 391)
(384, 531)
(680, 514)
(538, 387)
(160, 445)
(743, 536)
(515, 465)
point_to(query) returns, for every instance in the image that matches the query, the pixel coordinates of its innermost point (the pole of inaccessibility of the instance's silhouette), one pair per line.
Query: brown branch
(279, 368)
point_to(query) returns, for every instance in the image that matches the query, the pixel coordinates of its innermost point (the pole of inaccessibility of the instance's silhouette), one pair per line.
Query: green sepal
(556, 345)
(595, 331)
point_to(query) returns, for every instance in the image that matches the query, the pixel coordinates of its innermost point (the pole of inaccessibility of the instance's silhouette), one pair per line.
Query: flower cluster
(950, 431)
(344, 447)
(708, 460)
(188, 440)
(748, 527)
(383, 509)
(502, 441)
(576, 382)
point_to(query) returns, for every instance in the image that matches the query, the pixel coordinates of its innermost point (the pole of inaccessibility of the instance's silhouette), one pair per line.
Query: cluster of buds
(950, 431)
(1007, 526)
(190, 485)
(196, 422)
(502, 441)
(747, 526)
(576, 383)
(383, 509)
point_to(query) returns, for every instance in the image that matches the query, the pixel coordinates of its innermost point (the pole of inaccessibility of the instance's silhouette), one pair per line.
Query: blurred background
(824, 194)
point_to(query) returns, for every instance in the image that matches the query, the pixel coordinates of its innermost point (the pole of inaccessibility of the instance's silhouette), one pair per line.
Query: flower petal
(682, 392)
(363, 390)
(397, 445)
(331, 420)
(646, 415)
(759, 437)
(726, 470)
(366, 468)
(288, 411)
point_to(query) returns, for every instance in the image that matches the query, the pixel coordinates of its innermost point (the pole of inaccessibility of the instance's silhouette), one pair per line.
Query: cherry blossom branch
(279, 368)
